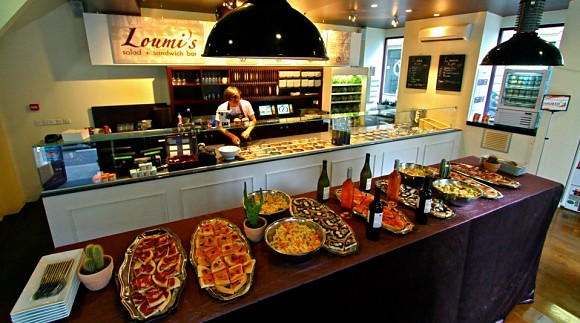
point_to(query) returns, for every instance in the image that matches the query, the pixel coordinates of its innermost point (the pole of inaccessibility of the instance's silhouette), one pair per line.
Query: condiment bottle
(347, 195)
(424, 202)
(375, 219)
(394, 186)
(323, 188)
(366, 176)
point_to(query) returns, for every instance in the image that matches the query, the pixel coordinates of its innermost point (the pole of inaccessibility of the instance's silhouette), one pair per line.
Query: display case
(345, 89)
(172, 151)
(520, 98)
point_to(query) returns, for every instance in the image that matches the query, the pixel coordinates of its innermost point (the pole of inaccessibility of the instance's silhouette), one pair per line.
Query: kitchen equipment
(229, 152)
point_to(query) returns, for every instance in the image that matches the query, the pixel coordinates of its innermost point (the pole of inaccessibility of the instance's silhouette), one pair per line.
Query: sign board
(450, 72)
(553, 102)
(418, 72)
(148, 40)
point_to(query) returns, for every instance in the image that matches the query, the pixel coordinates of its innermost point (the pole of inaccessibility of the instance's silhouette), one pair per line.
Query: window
(391, 69)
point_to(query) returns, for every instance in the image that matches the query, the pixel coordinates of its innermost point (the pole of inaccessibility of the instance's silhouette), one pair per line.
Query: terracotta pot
(255, 234)
(99, 279)
(491, 166)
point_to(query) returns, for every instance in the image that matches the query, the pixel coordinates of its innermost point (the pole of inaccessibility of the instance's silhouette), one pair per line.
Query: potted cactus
(254, 224)
(96, 269)
(491, 163)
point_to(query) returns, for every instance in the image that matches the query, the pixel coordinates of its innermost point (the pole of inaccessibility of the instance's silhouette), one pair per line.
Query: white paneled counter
(84, 214)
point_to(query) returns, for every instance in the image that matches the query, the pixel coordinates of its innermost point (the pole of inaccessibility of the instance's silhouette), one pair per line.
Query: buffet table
(473, 267)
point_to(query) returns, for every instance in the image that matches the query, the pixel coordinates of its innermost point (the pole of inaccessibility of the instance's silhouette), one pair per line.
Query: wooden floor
(557, 297)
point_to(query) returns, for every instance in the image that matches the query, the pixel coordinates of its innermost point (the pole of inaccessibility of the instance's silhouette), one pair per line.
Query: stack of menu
(31, 308)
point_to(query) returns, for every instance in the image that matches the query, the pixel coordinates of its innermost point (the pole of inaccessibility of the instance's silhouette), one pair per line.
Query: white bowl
(229, 152)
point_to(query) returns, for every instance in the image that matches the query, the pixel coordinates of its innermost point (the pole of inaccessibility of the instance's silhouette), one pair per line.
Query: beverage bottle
(375, 218)
(347, 195)
(323, 189)
(424, 202)
(394, 186)
(366, 175)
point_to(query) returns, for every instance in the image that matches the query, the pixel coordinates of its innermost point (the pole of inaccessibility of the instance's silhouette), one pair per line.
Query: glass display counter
(143, 155)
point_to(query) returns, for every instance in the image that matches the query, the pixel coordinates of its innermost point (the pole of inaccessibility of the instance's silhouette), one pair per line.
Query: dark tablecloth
(473, 267)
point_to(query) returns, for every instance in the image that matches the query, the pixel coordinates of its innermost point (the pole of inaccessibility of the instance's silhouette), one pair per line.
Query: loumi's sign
(147, 40)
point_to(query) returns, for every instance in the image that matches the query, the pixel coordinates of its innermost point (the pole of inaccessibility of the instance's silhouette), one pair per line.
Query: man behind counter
(235, 111)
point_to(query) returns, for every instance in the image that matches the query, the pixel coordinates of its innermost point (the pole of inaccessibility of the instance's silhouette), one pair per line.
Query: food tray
(484, 175)
(270, 195)
(126, 273)
(229, 232)
(409, 195)
(488, 191)
(393, 220)
(340, 237)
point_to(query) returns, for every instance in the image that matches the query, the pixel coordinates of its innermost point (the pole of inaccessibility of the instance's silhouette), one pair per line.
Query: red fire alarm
(34, 107)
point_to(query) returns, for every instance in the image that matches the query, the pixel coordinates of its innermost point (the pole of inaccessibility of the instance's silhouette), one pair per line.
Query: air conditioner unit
(460, 32)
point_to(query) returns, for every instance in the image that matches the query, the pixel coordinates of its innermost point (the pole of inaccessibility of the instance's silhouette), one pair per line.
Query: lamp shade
(524, 49)
(265, 29)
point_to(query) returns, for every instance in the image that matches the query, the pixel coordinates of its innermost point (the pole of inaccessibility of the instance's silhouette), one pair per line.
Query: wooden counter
(473, 267)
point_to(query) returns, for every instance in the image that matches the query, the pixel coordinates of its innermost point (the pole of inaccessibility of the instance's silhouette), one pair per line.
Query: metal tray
(212, 290)
(125, 274)
(407, 227)
(483, 175)
(340, 237)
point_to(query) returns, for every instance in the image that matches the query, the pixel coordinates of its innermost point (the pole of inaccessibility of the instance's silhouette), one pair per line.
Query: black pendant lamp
(265, 29)
(526, 47)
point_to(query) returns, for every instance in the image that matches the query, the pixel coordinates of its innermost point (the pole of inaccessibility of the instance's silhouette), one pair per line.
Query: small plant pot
(99, 279)
(255, 234)
(491, 166)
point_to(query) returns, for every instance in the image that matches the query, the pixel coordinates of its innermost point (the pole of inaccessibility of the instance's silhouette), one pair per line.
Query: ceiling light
(374, 5)
(352, 16)
(436, 15)
(409, 10)
(526, 47)
(265, 29)
(395, 22)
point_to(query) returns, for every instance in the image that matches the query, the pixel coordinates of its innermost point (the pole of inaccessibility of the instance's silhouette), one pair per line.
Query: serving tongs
(54, 279)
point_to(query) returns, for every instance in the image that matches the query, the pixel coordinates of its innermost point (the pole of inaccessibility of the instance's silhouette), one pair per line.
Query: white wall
(46, 61)
(564, 133)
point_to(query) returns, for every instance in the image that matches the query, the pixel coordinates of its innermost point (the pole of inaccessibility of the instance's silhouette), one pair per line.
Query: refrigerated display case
(345, 89)
(520, 98)
(571, 198)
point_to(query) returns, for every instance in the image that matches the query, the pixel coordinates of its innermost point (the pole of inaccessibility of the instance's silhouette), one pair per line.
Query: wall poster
(418, 72)
(450, 72)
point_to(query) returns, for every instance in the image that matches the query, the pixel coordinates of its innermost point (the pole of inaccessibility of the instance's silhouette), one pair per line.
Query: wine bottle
(323, 190)
(366, 176)
(375, 218)
(347, 195)
(424, 202)
(394, 186)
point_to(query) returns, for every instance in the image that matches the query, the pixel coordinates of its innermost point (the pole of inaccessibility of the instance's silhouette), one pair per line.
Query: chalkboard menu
(418, 72)
(450, 72)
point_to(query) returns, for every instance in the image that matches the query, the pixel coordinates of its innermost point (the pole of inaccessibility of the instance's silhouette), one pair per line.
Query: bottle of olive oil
(323, 188)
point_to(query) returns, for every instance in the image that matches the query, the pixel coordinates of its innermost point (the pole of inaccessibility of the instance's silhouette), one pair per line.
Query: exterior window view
(228, 160)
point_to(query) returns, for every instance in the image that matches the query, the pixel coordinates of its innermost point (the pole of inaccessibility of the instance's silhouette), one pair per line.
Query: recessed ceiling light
(409, 10)
(436, 15)
(374, 5)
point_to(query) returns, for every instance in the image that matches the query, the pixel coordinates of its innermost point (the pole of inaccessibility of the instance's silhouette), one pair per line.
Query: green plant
(252, 208)
(492, 159)
(94, 259)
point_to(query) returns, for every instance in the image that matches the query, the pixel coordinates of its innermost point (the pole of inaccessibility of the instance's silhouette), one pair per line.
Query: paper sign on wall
(148, 40)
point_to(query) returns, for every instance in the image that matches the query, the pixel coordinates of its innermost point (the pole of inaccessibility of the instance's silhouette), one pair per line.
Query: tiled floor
(25, 238)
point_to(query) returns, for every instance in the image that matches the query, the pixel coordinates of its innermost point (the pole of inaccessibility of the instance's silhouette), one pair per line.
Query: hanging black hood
(265, 29)
(526, 47)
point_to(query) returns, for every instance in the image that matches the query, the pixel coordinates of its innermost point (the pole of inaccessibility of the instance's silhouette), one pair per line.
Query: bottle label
(326, 193)
(378, 220)
(368, 184)
(427, 208)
